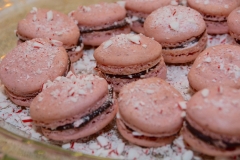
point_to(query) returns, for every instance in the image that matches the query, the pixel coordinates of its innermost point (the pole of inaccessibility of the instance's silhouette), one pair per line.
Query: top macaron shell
(145, 6)
(127, 50)
(216, 110)
(214, 7)
(233, 21)
(174, 24)
(27, 67)
(43, 23)
(107, 13)
(150, 106)
(67, 98)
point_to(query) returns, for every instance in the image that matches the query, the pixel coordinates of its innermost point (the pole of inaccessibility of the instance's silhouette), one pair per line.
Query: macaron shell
(202, 147)
(74, 56)
(214, 7)
(107, 13)
(233, 21)
(145, 6)
(60, 27)
(29, 65)
(92, 127)
(124, 52)
(137, 27)
(218, 65)
(216, 27)
(215, 113)
(173, 24)
(50, 105)
(152, 107)
(143, 141)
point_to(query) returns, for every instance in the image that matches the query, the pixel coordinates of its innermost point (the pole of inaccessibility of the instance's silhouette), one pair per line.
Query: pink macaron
(149, 113)
(233, 22)
(215, 13)
(180, 30)
(127, 57)
(137, 11)
(218, 65)
(73, 107)
(212, 117)
(99, 22)
(44, 23)
(29, 65)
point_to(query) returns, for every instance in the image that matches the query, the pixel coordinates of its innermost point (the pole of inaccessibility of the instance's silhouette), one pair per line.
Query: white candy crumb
(86, 9)
(40, 98)
(134, 38)
(56, 43)
(78, 122)
(81, 92)
(49, 15)
(208, 59)
(37, 45)
(149, 91)
(94, 146)
(132, 153)
(206, 2)
(226, 6)
(107, 44)
(122, 3)
(120, 147)
(188, 155)
(183, 114)
(34, 10)
(174, 3)
(174, 26)
(102, 141)
(183, 105)
(66, 146)
(34, 17)
(144, 46)
(118, 115)
(135, 133)
(205, 92)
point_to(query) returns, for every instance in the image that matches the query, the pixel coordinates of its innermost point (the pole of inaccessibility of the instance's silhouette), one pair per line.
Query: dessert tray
(19, 139)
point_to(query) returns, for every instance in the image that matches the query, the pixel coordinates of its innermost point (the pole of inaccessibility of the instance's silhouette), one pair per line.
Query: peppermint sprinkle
(56, 43)
(226, 6)
(78, 122)
(174, 26)
(102, 141)
(208, 59)
(34, 17)
(206, 2)
(205, 92)
(134, 38)
(135, 133)
(121, 3)
(37, 45)
(86, 9)
(144, 46)
(107, 44)
(49, 15)
(34, 10)
(183, 105)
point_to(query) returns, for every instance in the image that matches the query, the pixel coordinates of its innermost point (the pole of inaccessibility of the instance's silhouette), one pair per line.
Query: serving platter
(19, 139)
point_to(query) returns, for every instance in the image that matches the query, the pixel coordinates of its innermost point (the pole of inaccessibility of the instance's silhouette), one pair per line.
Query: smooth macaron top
(67, 98)
(214, 7)
(99, 14)
(127, 50)
(145, 6)
(43, 23)
(218, 65)
(150, 106)
(216, 110)
(233, 21)
(174, 24)
(28, 66)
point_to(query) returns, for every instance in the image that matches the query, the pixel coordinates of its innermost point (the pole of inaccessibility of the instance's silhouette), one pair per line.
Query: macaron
(218, 65)
(149, 114)
(233, 22)
(44, 23)
(99, 22)
(29, 65)
(73, 107)
(212, 117)
(137, 11)
(128, 57)
(215, 13)
(180, 30)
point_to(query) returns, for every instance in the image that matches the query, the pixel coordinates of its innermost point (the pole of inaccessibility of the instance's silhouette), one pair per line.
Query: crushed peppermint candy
(134, 38)
(34, 10)
(205, 92)
(49, 16)
(107, 44)
(122, 3)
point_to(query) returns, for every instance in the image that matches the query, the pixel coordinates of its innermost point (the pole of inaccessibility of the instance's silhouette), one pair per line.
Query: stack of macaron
(128, 57)
(99, 22)
(73, 107)
(215, 13)
(53, 25)
(25, 69)
(233, 21)
(180, 30)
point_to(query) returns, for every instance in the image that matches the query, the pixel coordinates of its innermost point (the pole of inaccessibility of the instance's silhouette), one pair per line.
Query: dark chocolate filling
(237, 41)
(206, 17)
(114, 26)
(212, 141)
(89, 117)
(195, 40)
(135, 75)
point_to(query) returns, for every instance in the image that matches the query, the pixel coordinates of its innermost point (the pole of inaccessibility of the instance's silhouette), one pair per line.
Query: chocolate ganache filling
(87, 118)
(237, 41)
(223, 144)
(117, 25)
(184, 45)
(212, 18)
(135, 75)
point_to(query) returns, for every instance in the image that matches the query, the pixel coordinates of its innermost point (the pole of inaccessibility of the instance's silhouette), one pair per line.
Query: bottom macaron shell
(117, 83)
(97, 38)
(19, 100)
(142, 140)
(205, 148)
(216, 27)
(75, 55)
(92, 127)
(137, 27)
(186, 54)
